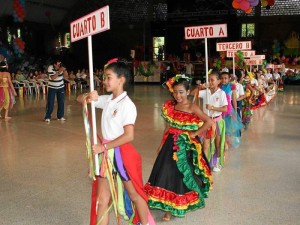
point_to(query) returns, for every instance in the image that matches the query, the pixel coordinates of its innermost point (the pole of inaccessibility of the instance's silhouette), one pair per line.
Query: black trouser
(60, 95)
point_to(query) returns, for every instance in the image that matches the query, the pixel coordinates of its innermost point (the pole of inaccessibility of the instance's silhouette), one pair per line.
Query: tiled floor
(43, 167)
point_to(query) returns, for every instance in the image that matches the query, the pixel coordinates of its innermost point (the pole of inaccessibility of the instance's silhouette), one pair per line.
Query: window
(158, 48)
(9, 36)
(67, 40)
(248, 30)
(19, 33)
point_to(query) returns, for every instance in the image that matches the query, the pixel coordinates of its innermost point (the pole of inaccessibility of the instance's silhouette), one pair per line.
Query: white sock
(218, 161)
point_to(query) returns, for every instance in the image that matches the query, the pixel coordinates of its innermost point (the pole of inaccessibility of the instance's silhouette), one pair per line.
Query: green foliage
(147, 72)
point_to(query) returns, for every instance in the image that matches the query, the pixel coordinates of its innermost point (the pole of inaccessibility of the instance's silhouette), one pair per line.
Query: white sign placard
(234, 46)
(258, 57)
(207, 31)
(93, 23)
(247, 54)
(253, 61)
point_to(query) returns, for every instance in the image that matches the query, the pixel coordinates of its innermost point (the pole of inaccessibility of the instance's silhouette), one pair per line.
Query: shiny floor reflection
(44, 179)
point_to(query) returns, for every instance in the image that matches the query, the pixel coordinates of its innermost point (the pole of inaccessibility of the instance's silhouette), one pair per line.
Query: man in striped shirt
(56, 88)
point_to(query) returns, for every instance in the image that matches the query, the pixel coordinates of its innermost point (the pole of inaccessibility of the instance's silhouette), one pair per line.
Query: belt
(214, 117)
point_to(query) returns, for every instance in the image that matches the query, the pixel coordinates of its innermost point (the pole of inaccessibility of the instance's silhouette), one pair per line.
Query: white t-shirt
(239, 90)
(116, 114)
(217, 99)
(276, 76)
(254, 82)
(268, 76)
(58, 82)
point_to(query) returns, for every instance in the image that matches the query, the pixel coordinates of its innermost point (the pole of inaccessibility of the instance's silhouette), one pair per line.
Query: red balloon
(271, 2)
(235, 4)
(245, 5)
(249, 11)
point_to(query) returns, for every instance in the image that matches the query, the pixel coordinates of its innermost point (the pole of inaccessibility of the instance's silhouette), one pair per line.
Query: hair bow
(111, 61)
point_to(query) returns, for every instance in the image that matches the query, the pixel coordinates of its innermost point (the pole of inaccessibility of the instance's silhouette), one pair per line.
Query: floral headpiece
(250, 74)
(171, 81)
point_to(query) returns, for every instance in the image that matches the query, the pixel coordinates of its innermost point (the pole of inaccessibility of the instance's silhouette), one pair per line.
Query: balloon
(271, 2)
(245, 5)
(238, 1)
(255, 2)
(235, 4)
(249, 10)
(264, 2)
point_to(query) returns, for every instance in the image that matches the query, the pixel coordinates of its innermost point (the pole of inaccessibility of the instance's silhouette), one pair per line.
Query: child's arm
(126, 137)
(241, 97)
(200, 87)
(11, 85)
(234, 100)
(92, 96)
(208, 122)
(219, 109)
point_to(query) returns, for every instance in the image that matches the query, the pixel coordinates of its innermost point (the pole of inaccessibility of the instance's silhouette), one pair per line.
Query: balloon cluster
(267, 3)
(19, 46)
(245, 5)
(19, 10)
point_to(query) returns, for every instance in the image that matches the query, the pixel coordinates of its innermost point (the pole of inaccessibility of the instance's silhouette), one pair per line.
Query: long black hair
(3, 67)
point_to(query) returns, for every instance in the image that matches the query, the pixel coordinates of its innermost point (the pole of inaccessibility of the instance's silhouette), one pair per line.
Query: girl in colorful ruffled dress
(180, 178)
(123, 161)
(246, 111)
(258, 98)
(232, 120)
(7, 90)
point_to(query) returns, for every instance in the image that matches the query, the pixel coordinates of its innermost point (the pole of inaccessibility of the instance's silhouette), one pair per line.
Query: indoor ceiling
(41, 11)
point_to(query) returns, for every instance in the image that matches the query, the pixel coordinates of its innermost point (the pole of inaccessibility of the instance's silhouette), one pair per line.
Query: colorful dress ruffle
(180, 178)
(117, 166)
(258, 99)
(232, 120)
(246, 109)
(217, 129)
(280, 86)
(6, 97)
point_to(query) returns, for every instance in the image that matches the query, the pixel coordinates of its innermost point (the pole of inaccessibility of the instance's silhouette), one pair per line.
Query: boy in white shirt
(217, 103)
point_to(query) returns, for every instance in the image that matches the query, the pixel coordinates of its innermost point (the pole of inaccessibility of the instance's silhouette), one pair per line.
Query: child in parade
(258, 90)
(240, 92)
(232, 121)
(214, 141)
(181, 177)
(117, 126)
(246, 109)
(7, 90)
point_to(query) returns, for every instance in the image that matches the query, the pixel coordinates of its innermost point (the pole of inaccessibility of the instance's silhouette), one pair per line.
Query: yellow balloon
(264, 2)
